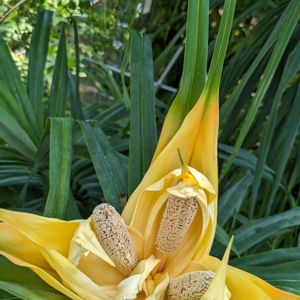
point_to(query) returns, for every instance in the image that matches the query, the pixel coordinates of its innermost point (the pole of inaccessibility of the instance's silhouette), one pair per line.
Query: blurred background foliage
(83, 146)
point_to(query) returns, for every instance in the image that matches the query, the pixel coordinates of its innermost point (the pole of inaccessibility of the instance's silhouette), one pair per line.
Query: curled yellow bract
(176, 210)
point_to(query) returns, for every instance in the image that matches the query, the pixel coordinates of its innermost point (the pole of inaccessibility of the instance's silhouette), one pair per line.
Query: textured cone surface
(177, 218)
(113, 236)
(190, 286)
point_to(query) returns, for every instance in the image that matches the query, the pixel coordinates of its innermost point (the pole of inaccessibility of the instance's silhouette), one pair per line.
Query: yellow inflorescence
(177, 218)
(113, 236)
(190, 286)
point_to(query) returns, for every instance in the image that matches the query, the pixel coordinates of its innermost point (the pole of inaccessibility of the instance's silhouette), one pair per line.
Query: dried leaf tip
(113, 236)
(177, 218)
(190, 286)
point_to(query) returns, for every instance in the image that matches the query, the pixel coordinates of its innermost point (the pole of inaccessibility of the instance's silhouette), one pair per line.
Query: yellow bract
(68, 256)
(197, 141)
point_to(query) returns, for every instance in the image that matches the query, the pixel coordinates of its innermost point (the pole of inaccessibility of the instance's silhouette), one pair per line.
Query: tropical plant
(50, 161)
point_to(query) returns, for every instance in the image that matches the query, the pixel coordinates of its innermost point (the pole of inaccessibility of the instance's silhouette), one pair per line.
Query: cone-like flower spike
(177, 218)
(190, 286)
(114, 237)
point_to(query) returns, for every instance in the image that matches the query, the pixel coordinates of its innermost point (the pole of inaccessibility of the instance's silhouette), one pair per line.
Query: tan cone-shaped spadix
(113, 236)
(177, 218)
(190, 286)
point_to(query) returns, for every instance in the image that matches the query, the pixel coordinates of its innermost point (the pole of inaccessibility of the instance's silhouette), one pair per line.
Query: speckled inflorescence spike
(113, 236)
(177, 218)
(190, 286)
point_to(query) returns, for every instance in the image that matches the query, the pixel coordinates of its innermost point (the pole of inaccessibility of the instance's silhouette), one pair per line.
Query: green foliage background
(64, 144)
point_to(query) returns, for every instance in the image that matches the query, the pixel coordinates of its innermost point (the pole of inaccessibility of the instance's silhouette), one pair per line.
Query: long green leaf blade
(109, 169)
(216, 66)
(291, 132)
(291, 68)
(257, 231)
(277, 53)
(74, 82)
(12, 80)
(194, 69)
(59, 88)
(37, 59)
(60, 167)
(142, 110)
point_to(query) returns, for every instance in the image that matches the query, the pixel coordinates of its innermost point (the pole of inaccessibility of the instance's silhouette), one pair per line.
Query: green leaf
(257, 231)
(256, 39)
(59, 88)
(277, 53)
(223, 238)
(217, 62)
(195, 55)
(268, 258)
(290, 134)
(76, 107)
(232, 198)
(244, 159)
(37, 59)
(74, 83)
(60, 167)
(109, 169)
(12, 80)
(292, 66)
(12, 129)
(194, 65)
(279, 267)
(24, 284)
(142, 110)
(6, 296)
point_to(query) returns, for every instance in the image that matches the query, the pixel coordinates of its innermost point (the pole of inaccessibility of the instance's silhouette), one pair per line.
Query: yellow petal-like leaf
(46, 276)
(76, 280)
(99, 271)
(48, 232)
(84, 240)
(218, 289)
(242, 285)
(197, 141)
(23, 252)
(161, 286)
(17, 245)
(150, 208)
(130, 287)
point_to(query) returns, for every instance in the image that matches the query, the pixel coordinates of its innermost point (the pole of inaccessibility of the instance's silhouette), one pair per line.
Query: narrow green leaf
(142, 110)
(230, 104)
(195, 54)
(292, 66)
(74, 83)
(257, 231)
(76, 108)
(223, 238)
(37, 59)
(59, 88)
(291, 132)
(24, 284)
(244, 159)
(279, 267)
(60, 167)
(268, 258)
(12, 80)
(194, 66)
(232, 198)
(12, 129)
(217, 62)
(6, 296)
(109, 169)
(277, 53)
